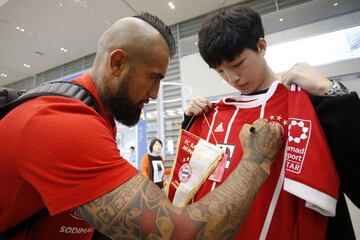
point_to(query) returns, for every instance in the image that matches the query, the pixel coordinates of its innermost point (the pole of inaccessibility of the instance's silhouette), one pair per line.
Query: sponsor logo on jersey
(298, 140)
(75, 214)
(185, 172)
(219, 128)
(75, 230)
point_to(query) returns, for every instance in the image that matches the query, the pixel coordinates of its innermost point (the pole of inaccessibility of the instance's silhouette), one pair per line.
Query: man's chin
(128, 121)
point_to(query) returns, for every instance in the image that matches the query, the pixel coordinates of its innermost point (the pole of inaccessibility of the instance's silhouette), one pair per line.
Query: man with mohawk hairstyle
(81, 179)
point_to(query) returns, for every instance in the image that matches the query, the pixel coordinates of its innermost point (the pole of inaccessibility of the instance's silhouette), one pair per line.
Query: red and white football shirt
(302, 188)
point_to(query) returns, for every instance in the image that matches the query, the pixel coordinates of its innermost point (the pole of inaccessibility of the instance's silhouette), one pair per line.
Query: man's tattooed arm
(138, 209)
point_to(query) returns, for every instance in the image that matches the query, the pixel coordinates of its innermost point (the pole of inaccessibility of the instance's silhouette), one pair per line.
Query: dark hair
(132, 147)
(152, 143)
(162, 28)
(228, 33)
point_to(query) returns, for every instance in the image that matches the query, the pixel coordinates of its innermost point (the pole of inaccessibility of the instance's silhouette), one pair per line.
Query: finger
(285, 81)
(259, 123)
(209, 104)
(246, 127)
(200, 100)
(278, 128)
(197, 110)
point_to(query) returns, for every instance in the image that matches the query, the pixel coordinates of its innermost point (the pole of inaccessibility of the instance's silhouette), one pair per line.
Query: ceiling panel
(49, 26)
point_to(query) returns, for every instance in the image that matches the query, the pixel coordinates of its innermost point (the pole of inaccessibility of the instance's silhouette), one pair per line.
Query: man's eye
(238, 64)
(156, 78)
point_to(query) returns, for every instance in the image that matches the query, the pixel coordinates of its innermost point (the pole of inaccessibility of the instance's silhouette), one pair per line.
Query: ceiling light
(20, 29)
(281, 19)
(26, 65)
(63, 49)
(3, 75)
(171, 5)
(335, 4)
(196, 43)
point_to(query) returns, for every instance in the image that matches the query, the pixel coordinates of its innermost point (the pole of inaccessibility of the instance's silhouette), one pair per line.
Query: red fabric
(59, 154)
(290, 218)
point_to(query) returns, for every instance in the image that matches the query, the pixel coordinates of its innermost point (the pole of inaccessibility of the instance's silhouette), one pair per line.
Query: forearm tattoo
(139, 210)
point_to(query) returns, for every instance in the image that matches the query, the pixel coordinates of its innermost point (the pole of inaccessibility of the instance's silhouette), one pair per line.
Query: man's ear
(116, 61)
(262, 46)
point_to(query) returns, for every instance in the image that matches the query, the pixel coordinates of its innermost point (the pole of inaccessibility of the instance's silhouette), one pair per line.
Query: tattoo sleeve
(138, 209)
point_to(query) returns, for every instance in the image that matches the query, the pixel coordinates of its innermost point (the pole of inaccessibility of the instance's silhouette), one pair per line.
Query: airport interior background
(51, 40)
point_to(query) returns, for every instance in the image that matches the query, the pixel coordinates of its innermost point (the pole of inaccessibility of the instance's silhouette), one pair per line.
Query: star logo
(192, 225)
(147, 221)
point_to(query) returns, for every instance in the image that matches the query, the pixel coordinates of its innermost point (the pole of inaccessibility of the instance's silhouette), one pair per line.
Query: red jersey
(302, 188)
(59, 153)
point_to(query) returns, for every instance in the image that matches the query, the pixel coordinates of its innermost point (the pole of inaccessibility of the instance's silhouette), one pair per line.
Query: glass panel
(317, 50)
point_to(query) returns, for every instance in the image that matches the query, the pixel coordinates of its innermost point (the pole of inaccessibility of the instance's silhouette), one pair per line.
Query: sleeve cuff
(315, 200)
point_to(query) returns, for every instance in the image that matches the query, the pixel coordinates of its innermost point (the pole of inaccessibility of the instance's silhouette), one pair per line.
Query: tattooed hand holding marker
(256, 147)
(138, 209)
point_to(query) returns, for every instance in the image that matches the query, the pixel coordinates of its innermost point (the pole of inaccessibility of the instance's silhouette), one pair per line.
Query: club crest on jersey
(185, 172)
(277, 120)
(298, 140)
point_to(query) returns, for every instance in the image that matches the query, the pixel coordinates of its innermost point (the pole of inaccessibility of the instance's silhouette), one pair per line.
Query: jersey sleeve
(70, 155)
(310, 172)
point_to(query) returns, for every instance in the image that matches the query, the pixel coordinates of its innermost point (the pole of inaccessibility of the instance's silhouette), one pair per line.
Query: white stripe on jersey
(274, 200)
(212, 124)
(230, 125)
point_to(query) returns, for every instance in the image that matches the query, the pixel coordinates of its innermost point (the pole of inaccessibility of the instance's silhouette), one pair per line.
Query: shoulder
(59, 123)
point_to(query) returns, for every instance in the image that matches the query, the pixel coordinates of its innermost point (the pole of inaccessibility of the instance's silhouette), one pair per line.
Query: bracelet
(337, 89)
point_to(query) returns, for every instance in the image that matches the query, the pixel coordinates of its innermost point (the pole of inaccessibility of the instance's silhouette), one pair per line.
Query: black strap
(187, 122)
(7, 95)
(65, 89)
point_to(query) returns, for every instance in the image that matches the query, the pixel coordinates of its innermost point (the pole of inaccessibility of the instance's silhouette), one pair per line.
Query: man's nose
(231, 75)
(154, 90)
